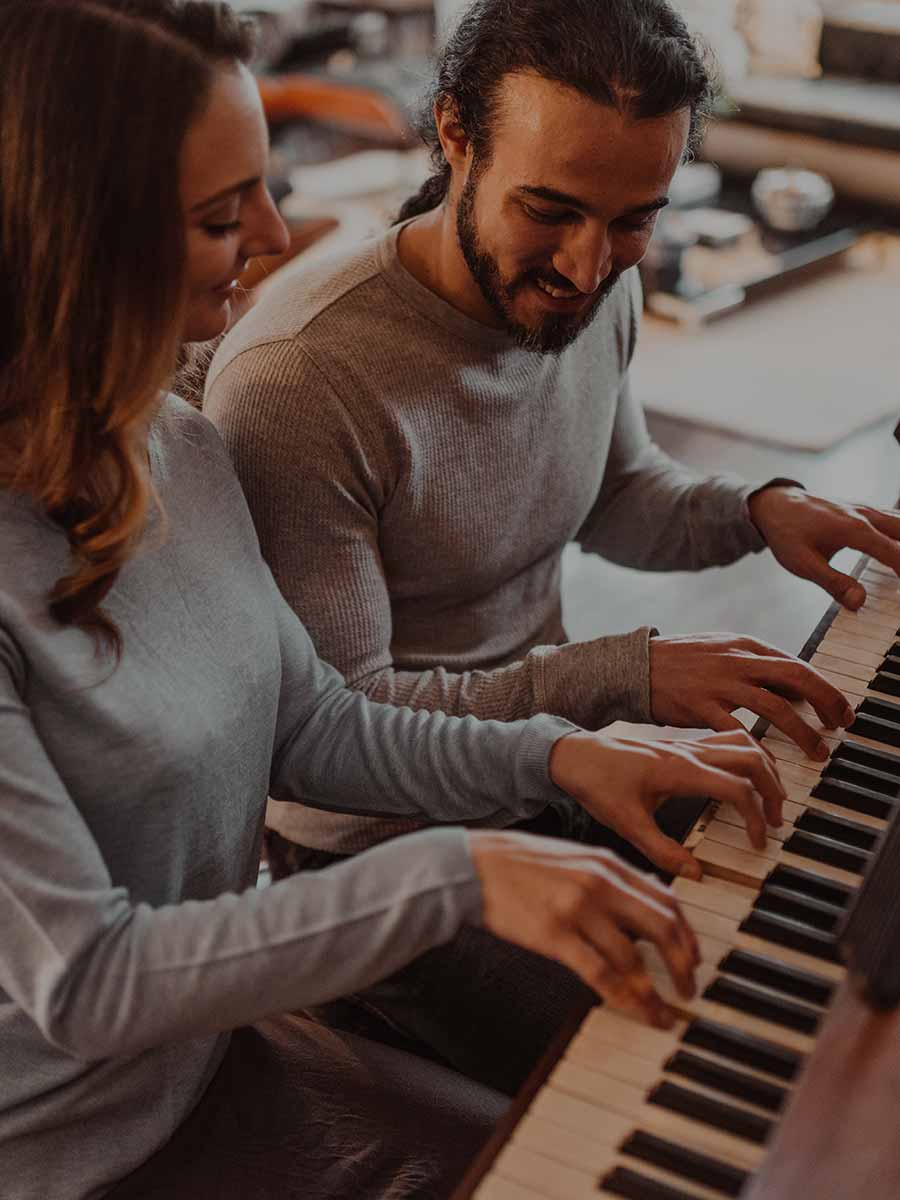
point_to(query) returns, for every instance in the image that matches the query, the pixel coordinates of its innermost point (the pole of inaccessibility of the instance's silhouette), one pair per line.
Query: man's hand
(623, 781)
(697, 681)
(581, 905)
(804, 533)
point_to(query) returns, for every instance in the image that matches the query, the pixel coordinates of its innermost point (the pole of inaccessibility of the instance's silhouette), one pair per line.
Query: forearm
(660, 516)
(153, 976)
(355, 756)
(591, 684)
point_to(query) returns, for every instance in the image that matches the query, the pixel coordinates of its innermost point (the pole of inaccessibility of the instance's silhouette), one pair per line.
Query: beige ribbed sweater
(414, 477)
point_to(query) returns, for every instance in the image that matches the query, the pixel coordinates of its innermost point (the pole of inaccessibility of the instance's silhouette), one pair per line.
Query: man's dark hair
(634, 55)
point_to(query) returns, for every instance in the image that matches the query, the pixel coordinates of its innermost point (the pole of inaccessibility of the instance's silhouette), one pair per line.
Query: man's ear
(454, 142)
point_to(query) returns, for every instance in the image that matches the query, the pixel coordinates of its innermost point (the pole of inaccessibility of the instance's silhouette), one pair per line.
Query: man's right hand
(696, 682)
(581, 906)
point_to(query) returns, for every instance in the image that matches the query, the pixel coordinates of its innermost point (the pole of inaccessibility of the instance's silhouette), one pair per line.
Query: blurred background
(769, 345)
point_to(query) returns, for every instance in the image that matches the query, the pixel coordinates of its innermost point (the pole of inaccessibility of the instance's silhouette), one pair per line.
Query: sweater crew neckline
(429, 304)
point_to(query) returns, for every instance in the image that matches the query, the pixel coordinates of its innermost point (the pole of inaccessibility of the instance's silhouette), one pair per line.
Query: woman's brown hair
(96, 97)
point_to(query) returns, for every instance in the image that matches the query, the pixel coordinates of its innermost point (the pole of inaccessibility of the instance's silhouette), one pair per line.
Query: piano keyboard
(634, 1112)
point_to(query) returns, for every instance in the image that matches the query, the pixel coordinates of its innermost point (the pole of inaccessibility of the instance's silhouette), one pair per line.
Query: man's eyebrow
(235, 189)
(555, 197)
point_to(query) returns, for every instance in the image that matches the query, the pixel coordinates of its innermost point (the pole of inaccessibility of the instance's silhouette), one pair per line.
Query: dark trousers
(299, 1112)
(479, 1005)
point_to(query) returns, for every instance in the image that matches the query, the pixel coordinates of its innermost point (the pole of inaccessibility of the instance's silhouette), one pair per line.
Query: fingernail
(849, 717)
(691, 871)
(822, 751)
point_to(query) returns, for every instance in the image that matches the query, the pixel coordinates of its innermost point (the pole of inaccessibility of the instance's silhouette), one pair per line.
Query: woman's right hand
(582, 905)
(623, 781)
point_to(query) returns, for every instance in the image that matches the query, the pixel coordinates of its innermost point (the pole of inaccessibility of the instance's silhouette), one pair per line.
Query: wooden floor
(755, 596)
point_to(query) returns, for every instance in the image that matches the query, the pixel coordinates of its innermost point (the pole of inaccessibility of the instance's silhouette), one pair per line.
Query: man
(423, 423)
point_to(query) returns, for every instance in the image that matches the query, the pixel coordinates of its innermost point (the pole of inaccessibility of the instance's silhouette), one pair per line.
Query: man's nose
(585, 259)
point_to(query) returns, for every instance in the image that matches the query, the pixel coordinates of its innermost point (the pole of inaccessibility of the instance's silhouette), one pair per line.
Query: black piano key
(632, 1186)
(778, 1011)
(724, 1079)
(876, 779)
(710, 1172)
(884, 761)
(878, 720)
(795, 879)
(802, 985)
(886, 682)
(825, 850)
(799, 908)
(855, 797)
(712, 1112)
(782, 931)
(755, 1052)
(869, 768)
(839, 829)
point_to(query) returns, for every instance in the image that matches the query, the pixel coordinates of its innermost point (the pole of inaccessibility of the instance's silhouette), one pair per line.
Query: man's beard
(556, 331)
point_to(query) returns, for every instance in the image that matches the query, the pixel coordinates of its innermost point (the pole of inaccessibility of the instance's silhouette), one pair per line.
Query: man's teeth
(556, 293)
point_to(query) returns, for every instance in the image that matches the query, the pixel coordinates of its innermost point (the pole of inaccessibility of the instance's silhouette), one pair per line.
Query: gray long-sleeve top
(131, 808)
(419, 465)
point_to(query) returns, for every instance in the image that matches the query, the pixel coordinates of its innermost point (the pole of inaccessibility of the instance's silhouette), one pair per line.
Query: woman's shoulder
(181, 437)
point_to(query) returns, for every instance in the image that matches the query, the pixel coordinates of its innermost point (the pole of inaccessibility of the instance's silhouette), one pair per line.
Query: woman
(154, 686)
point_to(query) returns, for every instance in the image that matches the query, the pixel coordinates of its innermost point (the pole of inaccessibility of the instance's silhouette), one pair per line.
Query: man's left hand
(804, 533)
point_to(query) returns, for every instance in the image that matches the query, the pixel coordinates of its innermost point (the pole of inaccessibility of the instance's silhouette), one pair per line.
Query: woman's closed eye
(217, 230)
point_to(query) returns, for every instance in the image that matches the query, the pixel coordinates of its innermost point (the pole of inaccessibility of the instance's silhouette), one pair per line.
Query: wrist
(767, 497)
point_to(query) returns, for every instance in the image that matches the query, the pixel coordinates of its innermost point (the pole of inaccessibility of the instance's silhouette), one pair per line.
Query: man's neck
(429, 249)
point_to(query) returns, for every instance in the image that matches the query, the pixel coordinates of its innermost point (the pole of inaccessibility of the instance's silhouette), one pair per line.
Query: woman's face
(230, 216)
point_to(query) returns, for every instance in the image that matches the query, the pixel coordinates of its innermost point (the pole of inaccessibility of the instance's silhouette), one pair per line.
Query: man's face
(566, 203)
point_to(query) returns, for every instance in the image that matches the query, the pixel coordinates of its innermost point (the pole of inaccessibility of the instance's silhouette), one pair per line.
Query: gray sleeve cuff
(595, 683)
(534, 789)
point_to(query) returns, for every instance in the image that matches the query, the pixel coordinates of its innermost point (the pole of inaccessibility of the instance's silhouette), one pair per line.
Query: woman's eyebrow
(226, 193)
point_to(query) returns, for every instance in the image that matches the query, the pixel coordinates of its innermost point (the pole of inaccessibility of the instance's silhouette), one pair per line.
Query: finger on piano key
(724, 852)
(817, 817)
(800, 802)
(878, 686)
(712, 1010)
(882, 603)
(705, 1177)
(603, 1093)
(785, 1019)
(871, 620)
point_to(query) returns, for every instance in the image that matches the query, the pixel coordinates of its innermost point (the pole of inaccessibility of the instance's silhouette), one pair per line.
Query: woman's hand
(581, 906)
(623, 781)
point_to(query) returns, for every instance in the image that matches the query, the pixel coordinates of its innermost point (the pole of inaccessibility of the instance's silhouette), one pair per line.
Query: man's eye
(640, 224)
(544, 217)
(220, 231)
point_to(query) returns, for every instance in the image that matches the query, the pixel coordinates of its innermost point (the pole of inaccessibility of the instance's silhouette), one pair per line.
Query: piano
(781, 1079)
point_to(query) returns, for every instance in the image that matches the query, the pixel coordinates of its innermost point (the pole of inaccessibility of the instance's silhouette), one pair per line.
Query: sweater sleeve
(101, 973)
(335, 749)
(316, 496)
(653, 513)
